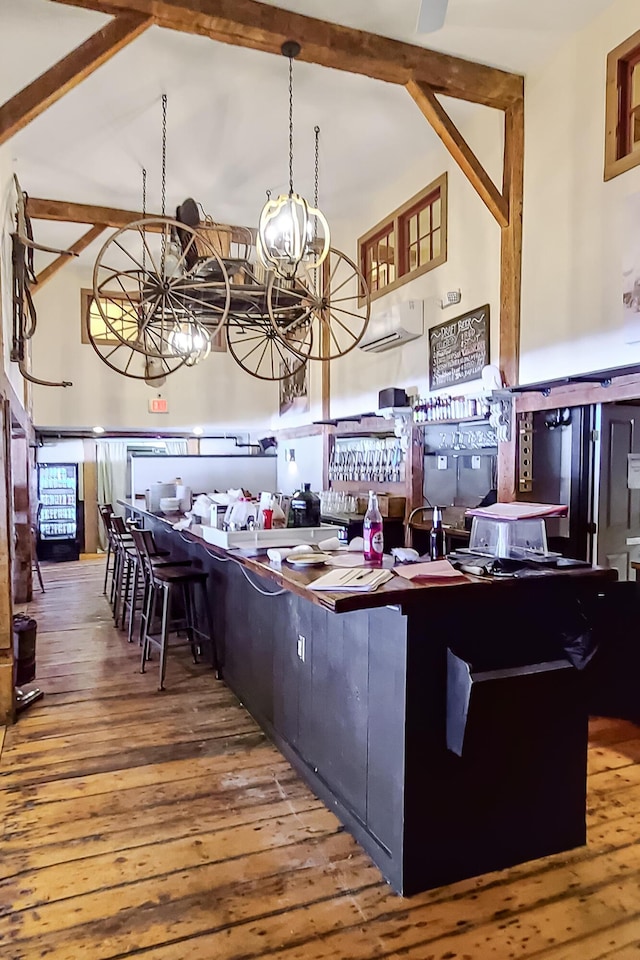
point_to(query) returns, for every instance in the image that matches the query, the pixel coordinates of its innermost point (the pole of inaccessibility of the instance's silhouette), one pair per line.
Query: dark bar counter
(443, 724)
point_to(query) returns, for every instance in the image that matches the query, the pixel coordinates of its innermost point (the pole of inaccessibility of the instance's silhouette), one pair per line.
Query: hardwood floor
(165, 826)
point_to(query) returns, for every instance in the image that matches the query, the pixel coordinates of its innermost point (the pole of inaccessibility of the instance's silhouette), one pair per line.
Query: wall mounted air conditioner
(399, 324)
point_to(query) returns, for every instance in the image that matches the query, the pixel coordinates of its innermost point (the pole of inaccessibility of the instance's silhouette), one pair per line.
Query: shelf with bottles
(61, 514)
(61, 499)
(450, 409)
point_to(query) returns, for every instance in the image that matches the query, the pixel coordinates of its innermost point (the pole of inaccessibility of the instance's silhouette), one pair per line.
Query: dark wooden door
(618, 506)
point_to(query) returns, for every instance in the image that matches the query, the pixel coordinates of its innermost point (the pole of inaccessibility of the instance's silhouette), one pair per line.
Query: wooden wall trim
(258, 26)
(50, 86)
(580, 394)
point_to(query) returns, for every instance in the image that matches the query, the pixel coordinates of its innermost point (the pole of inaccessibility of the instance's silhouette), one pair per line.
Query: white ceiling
(227, 115)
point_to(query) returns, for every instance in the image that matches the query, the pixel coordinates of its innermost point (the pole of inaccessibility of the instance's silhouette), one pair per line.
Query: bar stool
(167, 583)
(124, 552)
(106, 511)
(146, 550)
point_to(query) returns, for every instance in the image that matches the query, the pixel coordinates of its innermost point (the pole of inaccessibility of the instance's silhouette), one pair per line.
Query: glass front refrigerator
(58, 511)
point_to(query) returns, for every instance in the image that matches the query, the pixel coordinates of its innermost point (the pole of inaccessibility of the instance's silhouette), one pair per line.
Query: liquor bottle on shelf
(372, 532)
(436, 537)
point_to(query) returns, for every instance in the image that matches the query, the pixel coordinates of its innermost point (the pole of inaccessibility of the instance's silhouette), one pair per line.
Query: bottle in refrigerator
(372, 532)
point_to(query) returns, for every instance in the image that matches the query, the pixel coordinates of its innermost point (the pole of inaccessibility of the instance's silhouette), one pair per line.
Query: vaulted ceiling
(227, 113)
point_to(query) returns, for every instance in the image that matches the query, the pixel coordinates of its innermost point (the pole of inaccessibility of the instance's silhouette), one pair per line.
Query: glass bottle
(436, 537)
(372, 532)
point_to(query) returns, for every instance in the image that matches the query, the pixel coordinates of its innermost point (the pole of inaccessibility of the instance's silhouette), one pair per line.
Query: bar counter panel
(353, 691)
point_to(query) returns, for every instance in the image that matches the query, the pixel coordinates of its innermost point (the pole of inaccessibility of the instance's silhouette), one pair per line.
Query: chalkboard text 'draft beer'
(459, 349)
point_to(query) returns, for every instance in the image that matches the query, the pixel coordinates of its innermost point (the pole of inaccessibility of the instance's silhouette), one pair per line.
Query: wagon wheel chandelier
(291, 233)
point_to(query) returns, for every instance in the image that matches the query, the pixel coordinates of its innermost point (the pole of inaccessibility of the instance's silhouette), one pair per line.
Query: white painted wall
(574, 223)
(472, 266)
(305, 468)
(215, 394)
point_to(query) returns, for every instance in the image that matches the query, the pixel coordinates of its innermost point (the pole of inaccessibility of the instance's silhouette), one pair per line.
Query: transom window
(622, 136)
(120, 310)
(407, 243)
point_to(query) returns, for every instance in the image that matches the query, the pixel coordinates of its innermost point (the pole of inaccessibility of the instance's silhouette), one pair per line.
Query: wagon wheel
(333, 298)
(136, 363)
(258, 349)
(141, 277)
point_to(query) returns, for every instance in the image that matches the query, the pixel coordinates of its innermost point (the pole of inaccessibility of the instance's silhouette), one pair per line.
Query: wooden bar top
(396, 591)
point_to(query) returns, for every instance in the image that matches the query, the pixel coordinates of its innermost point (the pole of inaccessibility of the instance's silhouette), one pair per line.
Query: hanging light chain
(144, 214)
(164, 152)
(290, 126)
(316, 130)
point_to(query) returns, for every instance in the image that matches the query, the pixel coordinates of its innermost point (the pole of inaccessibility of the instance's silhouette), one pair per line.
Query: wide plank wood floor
(165, 826)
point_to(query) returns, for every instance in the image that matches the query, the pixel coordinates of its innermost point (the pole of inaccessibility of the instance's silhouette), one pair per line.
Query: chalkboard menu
(459, 349)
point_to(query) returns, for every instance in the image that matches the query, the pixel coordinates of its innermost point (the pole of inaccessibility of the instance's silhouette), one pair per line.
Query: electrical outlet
(475, 463)
(441, 463)
(301, 647)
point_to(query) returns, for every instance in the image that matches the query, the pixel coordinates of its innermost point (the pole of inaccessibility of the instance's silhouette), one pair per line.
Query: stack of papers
(358, 579)
(438, 570)
(519, 511)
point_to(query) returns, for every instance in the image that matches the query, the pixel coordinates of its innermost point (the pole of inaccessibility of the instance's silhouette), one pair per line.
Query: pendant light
(290, 231)
(191, 340)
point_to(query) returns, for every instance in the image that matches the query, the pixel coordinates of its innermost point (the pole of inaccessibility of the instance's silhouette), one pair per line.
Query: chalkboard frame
(475, 314)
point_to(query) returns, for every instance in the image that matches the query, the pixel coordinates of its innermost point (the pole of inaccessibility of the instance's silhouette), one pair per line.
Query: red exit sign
(158, 405)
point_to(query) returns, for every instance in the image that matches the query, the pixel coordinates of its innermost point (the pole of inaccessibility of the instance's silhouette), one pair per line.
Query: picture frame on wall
(459, 349)
(294, 391)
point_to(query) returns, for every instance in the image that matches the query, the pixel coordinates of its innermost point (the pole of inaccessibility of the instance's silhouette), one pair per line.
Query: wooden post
(21, 521)
(6, 550)
(90, 493)
(510, 285)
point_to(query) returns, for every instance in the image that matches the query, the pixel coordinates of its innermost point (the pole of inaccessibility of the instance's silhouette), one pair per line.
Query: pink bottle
(372, 532)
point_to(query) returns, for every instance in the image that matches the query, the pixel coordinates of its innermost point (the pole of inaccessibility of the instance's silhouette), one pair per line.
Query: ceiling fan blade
(431, 15)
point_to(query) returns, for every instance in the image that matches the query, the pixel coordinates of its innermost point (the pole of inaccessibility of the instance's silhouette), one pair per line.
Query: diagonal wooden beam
(460, 150)
(260, 26)
(50, 86)
(76, 248)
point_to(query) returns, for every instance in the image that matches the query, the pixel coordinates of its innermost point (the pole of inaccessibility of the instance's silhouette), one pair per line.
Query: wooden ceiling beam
(259, 26)
(460, 150)
(75, 249)
(50, 86)
(65, 211)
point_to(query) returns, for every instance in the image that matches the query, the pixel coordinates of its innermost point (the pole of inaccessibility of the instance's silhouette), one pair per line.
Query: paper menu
(355, 579)
(440, 570)
(519, 511)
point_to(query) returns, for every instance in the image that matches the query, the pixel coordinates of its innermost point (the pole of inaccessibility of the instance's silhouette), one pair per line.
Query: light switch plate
(301, 647)
(441, 463)
(475, 463)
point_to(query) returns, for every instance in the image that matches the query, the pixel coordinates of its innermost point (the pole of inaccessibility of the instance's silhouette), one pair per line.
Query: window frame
(619, 155)
(218, 342)
(398, 221)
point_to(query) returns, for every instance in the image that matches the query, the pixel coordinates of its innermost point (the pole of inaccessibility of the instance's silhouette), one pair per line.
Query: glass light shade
(190, 340)
(173, 261)
(290, 232)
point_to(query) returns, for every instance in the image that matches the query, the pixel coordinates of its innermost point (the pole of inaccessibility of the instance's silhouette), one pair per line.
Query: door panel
(618, 507)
